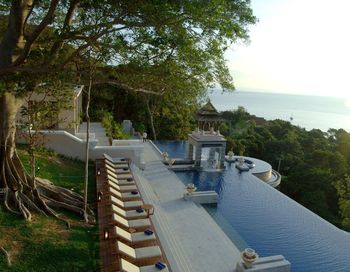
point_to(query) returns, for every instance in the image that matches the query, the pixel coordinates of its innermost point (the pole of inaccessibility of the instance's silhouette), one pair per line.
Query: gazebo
(206, 145)
(208, 118)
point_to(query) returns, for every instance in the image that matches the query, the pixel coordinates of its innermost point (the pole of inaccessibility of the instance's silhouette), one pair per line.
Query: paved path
(190, 238)
(100, 133)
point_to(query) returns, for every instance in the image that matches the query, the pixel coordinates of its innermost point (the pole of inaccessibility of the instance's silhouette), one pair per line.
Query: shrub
(114, 130)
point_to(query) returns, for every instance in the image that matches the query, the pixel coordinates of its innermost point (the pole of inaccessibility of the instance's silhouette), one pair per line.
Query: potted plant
(191, 188)
(249, 256)
(230, 154)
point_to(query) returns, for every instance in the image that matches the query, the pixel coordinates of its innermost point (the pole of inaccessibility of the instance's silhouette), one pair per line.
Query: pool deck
(191, 239)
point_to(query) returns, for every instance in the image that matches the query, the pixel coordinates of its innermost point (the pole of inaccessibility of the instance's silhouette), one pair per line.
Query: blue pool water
(175, 149)
(269, 221)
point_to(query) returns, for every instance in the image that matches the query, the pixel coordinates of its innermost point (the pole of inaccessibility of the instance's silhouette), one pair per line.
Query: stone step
(94, 127)
(98, 130)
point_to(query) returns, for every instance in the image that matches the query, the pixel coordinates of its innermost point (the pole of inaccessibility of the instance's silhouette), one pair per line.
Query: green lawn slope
(45, 244)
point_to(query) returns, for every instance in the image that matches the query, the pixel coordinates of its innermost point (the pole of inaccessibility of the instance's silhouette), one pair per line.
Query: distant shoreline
(267, 92)
(309, 112)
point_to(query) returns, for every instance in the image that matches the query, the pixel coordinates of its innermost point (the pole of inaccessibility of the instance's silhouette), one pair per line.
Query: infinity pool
(254, 214)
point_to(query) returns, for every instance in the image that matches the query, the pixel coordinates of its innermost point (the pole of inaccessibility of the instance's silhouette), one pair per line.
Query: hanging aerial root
(53, 193)
(6, 202)
(22, 208)
(7, 256)
(30, 204)
(59, 204)
(47, 184)
(43, 197)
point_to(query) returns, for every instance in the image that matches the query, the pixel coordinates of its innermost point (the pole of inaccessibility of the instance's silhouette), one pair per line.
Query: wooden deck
(108, 250)
(110, 258)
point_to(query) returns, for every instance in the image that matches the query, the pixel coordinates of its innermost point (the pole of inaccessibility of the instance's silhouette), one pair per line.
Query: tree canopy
(154, 47)
(149, 43)
(314, 164)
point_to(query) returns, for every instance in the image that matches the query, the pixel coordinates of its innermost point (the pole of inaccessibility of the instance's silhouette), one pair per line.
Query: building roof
(208, 109)
(208, 112)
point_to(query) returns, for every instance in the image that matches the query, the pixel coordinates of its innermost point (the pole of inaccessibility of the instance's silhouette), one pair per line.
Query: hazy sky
(298, 46)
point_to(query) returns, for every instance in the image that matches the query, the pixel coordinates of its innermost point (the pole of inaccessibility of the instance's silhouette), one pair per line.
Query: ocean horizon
(306, 111)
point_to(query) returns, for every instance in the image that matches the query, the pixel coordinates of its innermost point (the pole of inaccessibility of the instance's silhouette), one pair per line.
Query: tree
(343, 190)
(150, 114)
(147, 46)
(87, 145)
(41, 111)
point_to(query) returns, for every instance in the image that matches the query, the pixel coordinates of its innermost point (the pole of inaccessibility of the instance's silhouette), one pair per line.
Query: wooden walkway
(109, 255)
(108, 250)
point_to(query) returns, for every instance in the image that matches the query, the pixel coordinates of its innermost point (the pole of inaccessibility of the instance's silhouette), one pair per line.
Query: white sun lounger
(124, 196)
(135, 237)
(136, 223)
(127, 205)
(118, 171)
(132, 214)
(117, 165)
(124, 176)
(115, 160)
(139, 253)
(129, 267)
(112, 173)
(125, 188)
(119, 182)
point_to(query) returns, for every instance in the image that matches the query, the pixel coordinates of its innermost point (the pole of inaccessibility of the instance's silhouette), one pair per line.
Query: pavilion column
(190, 151)
(198, 155)
(222, 155)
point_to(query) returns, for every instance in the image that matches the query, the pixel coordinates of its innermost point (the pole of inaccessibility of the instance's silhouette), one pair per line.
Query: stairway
(98, 130)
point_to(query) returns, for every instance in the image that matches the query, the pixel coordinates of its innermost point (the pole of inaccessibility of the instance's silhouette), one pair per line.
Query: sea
(309, 112)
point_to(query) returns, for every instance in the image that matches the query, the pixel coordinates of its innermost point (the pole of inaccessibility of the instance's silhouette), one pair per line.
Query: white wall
(71, 146)
(67, 144)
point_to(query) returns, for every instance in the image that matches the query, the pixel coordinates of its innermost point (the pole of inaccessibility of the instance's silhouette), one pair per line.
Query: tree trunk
(23, 194)
(87, 149)
(13, 180)
(151, 119)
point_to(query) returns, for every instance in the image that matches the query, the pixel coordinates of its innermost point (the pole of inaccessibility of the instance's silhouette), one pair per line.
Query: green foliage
(113, 129)
(172, 45)
(344, 205)
(41, 110)
(139, 127)
(173, 114)
(44, 244)
(69, 174)
(343, 190)
(172, 48)
(313, 163)
(174, 117)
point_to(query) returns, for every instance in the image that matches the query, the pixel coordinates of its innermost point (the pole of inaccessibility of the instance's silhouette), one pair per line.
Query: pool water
(175, 149)
(254, 214)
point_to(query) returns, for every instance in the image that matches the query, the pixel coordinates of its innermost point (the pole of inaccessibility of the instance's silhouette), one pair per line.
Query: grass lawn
(45, 244)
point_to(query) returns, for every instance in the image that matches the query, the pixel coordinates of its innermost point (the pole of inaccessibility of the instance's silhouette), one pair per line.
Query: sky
(298, 46)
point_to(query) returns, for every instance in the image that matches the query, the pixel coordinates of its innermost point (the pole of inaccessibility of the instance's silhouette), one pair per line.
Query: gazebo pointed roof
(208, 109)
(208, 113)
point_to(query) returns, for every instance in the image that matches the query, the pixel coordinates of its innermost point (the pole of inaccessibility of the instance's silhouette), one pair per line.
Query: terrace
(186, 231)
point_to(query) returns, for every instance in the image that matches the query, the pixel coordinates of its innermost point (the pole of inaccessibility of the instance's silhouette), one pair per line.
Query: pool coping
(186, 230)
